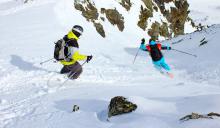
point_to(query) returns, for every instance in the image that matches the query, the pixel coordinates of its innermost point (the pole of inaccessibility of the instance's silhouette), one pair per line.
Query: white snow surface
(205, 12)
(31, 95)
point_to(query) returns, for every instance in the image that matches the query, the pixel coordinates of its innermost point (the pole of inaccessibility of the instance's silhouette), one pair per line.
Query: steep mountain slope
(163, 18)
(31, 95)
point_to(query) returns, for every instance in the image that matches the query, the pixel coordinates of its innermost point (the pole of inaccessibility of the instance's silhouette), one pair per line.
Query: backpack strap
(159, 46)
(148, 48)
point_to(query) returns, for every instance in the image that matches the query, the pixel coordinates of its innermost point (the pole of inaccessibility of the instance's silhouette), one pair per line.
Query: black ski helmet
(77, 28)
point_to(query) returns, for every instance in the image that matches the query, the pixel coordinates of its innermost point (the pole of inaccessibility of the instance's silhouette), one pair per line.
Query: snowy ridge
(205, 12)
(31, 95)
(206, 66)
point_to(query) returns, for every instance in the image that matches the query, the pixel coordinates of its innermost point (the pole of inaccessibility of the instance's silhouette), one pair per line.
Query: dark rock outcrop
(143, 17)
(154, 31)
(164, 30)
(199, 116)
(172, 19)
(115, 18)
(126, 4)
(120, 105)
(149, 4)
(99, 29)
(89, 11)
(157, 30)
(177, 16)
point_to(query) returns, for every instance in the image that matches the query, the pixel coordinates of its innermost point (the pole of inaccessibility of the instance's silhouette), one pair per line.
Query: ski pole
(136, 55)
(72, 74)
(184, 52)
(46, 61)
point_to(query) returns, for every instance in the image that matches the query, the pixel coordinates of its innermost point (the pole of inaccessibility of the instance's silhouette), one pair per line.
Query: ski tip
(170, 75)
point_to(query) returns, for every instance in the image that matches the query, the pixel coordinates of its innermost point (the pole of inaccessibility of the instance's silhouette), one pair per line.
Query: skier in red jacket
(154, 50)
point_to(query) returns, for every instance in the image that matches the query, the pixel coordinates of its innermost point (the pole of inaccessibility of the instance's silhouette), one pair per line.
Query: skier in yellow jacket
(71, 55)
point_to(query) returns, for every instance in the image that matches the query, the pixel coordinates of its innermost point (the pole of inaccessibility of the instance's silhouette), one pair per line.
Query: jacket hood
(152, 42)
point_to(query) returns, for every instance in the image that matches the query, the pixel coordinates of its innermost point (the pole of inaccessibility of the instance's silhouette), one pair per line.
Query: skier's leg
(65, 69)
(164, 65)
(157, 65)
(76, 70)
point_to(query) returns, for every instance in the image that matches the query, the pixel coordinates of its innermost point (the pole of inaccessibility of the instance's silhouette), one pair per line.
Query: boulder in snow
(75, 108)
(120, 105)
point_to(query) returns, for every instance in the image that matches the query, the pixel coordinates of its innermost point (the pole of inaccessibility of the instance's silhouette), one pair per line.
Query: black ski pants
(74, 70)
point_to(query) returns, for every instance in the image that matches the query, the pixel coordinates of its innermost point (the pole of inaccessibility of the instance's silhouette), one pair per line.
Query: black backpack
(155, 53)
(59, 50)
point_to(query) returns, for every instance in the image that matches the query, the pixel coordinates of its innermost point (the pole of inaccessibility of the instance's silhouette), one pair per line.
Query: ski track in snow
(32, 95)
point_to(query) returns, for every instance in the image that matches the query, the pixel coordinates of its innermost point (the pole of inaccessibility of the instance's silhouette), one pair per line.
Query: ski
(168, 74)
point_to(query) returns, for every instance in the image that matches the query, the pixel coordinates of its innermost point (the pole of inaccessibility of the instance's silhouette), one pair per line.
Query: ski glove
(88, 58)
(169, 48)
(143, 41)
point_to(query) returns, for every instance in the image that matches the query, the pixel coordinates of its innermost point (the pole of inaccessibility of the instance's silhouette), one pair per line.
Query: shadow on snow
(23, 65)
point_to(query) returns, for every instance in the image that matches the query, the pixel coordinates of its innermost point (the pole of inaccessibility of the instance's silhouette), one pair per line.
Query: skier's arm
(163, 47)
(143, 46)
(76, 55)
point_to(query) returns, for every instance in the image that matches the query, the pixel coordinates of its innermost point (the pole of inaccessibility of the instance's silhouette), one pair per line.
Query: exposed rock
(155, 8)
(164, 31)
(149, 4)
(145, 13)
(79, 6)
(200, 27)
(161, 5)
(126, 4)
(203, 42)
(198, 116)
(143, 17)
(99, 29)
(192, 22)
(102, 10)
(75, 108)
(213, 114)
(102, 18)
(173, 19)
(154, 32)
(177, 16)
(27, 1)
(115, 18)
(158, 30)
(119, 105)
(89, 11)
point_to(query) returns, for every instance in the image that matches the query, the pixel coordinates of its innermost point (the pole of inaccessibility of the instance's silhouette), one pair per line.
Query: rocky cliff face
(171, 16)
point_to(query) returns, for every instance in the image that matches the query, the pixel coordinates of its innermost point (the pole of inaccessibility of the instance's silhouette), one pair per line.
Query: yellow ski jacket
(73, 52)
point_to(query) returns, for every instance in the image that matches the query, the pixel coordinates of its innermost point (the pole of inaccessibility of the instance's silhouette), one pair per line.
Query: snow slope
(31, 95)
(207, 65)
(205, 12)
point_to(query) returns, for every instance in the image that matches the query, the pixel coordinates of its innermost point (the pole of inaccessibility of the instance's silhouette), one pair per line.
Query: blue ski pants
(161, 64)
